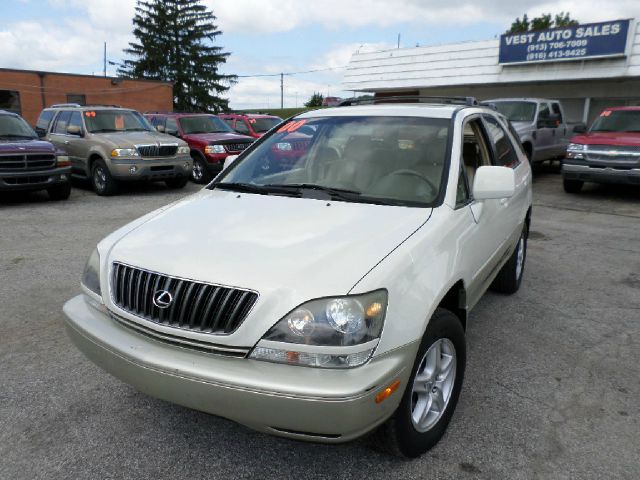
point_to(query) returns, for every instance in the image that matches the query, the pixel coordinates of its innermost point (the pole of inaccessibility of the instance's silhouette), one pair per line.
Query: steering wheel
(413, 173)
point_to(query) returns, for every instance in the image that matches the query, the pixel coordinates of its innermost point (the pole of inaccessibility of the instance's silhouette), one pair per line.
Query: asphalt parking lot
(551, 388)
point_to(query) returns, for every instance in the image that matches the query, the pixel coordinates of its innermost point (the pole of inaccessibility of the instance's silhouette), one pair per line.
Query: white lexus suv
(319, 287)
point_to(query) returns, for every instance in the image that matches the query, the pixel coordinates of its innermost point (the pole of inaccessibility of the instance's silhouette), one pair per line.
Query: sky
(272, 36)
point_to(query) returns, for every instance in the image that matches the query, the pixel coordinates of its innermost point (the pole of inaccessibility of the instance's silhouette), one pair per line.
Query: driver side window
(475, 154)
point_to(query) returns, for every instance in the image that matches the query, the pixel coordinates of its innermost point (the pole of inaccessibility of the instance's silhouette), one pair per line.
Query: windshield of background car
(203, 124)
(517, 111)
(115, 121)
(384, 160)
(264, 124)
(15, 127)
(617, 121)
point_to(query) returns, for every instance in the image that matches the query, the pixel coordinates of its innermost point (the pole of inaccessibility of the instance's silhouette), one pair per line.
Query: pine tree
(315, 100)
(174, 42)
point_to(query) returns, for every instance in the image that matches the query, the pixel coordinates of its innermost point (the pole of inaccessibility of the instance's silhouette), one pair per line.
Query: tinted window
(617, 121)
(557, 111)
(228, 121)
(242, 127)
(43, 121)
(203, 124)
(387, 160)
(12, 126)
(61, 123)
(543, 112)
(506, 155)
(10, 101)
(171, 126)
(75, 120)
(462, 191)
(78, 98)
(115, 121)
(517, 111)
(264, 124)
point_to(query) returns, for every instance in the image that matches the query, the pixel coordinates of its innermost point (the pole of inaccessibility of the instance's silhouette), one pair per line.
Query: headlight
(184, 150)
(284, 146)
(91, 275)
(124, 152)
(576, 151)
(214, 149)
(63, 161)
(338, 332)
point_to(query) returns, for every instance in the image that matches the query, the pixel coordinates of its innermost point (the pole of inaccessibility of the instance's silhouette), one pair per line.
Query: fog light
(133, 169)
(63, 176)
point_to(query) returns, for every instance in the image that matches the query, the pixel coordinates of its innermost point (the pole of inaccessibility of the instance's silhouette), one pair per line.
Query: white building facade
(585, 86)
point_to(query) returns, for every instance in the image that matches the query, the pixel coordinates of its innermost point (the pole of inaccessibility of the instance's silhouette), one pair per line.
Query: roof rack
(65, 105)
(468, 101)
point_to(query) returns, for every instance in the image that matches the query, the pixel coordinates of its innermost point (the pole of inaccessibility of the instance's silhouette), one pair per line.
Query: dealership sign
(590, 40)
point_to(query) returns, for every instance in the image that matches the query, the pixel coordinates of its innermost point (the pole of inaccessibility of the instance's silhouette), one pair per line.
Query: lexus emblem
(162, 299)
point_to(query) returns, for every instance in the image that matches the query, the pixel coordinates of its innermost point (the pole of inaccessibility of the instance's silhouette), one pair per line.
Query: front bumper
(305, 403)
(31, 180)
(151, 168)
(600, 174)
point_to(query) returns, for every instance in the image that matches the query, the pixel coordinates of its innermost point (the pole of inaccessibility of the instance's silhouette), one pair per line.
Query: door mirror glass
(160, 128)
(74, 130)
(492, 182)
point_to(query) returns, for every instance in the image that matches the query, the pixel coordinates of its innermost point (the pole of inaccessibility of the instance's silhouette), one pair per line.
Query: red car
(211, 140)
(608, 153)
(254, 125)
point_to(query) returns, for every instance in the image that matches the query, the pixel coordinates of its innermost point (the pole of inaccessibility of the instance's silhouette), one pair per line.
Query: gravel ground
(551, 388)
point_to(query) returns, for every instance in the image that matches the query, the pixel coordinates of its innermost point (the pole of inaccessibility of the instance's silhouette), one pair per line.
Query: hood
(628, 139)
(520, 126)
(131, 139)
(25, 146)
(289, 250)
(225, 137)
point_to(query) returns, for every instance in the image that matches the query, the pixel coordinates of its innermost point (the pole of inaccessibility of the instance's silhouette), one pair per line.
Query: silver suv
(109, 144)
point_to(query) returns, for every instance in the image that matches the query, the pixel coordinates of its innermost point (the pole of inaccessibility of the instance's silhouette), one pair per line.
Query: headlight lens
(63, 161)
(214, 149)
(124, 152)
(338, 332)
(91, 275)
(576, 151)
(184, 150)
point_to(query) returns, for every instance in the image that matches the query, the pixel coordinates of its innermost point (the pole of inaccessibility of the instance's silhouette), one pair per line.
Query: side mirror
(160, 128)
(492, 182)
(74, 130)
(228, 161)
(41, 132)
(580, 128)
(172, 132)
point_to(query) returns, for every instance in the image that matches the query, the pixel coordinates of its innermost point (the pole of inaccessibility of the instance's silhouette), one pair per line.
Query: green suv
(109, 145)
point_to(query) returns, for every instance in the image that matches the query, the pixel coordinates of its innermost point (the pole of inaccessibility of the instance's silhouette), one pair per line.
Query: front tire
(431, 395)
(101, 180)
(572, 186)
(60, 192)
(200, 172)
(510, 276)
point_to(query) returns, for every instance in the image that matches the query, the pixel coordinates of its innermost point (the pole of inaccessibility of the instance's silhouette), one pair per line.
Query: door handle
(67, 142)
(504, 201)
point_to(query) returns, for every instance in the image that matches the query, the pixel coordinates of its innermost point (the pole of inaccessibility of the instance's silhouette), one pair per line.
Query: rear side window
(555, 107)
(62, 122)
(43, 121)
(506, 155)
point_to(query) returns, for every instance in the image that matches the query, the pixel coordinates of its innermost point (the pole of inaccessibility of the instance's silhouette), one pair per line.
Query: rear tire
(175, 183)
(431, 395)
(101, 180)
(200, 172)
(510, 276)
(572, 186)
(60, 192)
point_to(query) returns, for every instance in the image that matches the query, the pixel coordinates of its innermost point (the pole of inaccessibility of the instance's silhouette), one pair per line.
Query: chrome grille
(195, 306)
(621, 153)
(35, 161)
(237, 147)
(157, 150)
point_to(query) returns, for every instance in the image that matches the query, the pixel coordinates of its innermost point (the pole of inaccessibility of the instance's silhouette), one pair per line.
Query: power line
(291, 73)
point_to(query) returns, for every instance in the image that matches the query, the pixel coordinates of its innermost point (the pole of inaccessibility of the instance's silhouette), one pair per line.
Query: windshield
(383, 160)
(15, 127)
(264, 124)
(517, 111)
(617, 121)
(203, 124)
(115, 121)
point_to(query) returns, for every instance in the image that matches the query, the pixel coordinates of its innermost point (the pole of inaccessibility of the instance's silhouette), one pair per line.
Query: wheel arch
(455, 300)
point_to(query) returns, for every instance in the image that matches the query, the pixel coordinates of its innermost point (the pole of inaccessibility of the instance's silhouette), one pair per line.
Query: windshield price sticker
(90, 114)
(569, 43)
(291, 126)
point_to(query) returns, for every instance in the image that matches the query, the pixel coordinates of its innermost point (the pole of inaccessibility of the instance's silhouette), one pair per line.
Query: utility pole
(398, 40)
(281, 91)
(104, 60)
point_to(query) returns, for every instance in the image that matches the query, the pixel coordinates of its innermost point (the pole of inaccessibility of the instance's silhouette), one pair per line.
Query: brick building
(27, 92)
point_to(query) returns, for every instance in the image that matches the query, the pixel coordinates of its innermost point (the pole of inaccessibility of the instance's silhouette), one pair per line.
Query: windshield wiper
(13, 135)
(342, 193)
(251, 188)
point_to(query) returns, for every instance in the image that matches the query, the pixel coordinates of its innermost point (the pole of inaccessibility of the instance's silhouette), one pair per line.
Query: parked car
(109, 145)
(541, 125)
(331, 101)
(608, 153)
(326, 300)
(27, 163)
(210, 139)
(252, 124)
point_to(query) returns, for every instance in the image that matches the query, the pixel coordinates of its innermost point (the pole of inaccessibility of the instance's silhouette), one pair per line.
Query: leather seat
(472, 160)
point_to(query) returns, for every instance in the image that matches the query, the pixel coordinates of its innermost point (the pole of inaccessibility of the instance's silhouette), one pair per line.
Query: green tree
(315, 100)
(174, 41)
(544, 21)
